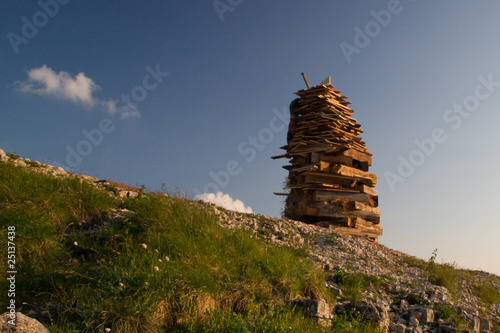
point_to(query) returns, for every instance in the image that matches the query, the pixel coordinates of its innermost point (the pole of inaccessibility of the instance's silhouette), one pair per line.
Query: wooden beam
(332, 195)
(346, 160)
(339, 178)
(366, 189)
(345, 170)
(356, 154)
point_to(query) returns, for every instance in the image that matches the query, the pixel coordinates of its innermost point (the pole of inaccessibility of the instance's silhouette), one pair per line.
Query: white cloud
(44, 81)
(79, 89)
(225, 201)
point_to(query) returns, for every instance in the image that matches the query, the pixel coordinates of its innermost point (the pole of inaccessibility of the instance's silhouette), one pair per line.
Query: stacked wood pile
(329, 183)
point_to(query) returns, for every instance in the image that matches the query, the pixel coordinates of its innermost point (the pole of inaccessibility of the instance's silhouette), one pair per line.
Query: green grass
(445, 274)
(487, 293)
(353, 284)
(448, 313)
(13, 155)
(191, 275)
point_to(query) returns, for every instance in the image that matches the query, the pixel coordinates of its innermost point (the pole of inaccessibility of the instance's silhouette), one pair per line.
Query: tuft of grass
(448, 313)
(487, 293)
(33, 164)
(13, 155)
(415, 299)
(351, 285)
(446, 275)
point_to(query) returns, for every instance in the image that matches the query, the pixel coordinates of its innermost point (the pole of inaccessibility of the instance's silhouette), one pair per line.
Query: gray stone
(476, 324)
(59, 171)
(414, 329)
(424, 315)
(3, 156)
(127, 194)
(369, 310)
(445, 328)
(397, 328)
(314, 307)
(414, 319)
(495, 308)
(485, 324)
(22, 324)
(19, 162)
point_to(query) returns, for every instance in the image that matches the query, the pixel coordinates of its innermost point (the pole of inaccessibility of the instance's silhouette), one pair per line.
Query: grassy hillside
(166, 267)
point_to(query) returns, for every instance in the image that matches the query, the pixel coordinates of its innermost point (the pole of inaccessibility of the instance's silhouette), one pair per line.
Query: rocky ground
(391, 288)
(400, 296)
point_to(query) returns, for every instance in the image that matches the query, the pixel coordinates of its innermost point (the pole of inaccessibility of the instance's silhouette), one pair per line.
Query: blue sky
(194, 95)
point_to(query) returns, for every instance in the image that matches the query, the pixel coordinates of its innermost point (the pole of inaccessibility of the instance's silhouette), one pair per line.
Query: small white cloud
(79, 89)
(110, 106)
(225, 201)
(44, 81)
(129, 112)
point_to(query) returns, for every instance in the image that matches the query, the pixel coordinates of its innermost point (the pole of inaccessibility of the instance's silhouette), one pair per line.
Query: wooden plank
(358, 232)
(364, 224)
(357, 155)
(366, 189)
(302, 168)
(339, 212)
(323, 165)
(313, 211)
(345, 183)
(360, 156)
(346, 160)
(339, 178)
(345, 170)
(366, 208)
(332, 195)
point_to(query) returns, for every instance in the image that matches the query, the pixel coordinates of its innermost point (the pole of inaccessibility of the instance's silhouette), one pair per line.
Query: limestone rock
(484, 324)
(23, 324)
(314, 307)
(397, 328)
(370, 311)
